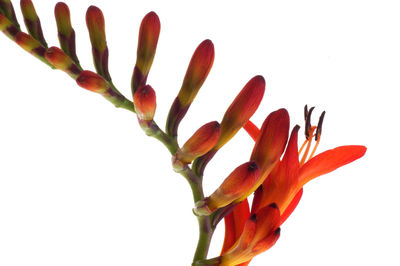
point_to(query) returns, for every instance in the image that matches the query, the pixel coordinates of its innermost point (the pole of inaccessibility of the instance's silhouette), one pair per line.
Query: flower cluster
(277, 168)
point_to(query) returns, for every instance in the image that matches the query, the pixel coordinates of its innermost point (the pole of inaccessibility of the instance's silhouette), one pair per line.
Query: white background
(80, 184)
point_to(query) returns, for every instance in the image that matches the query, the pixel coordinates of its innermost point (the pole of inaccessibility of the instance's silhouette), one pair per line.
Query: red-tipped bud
(145, 103)
(96, 26)
(7, 27)
(93, 82)
(197, 72)
(147, 44)
(241, 109)
(236, 186)
(62, 61)
(260, 233)
(271, 141)
(66, 34)
(7, 9)
(203, 140)
(63, 19)
(32, 21)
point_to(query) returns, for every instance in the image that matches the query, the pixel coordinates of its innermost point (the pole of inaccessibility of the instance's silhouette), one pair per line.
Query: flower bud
(241, 109)
(32, 21)
(197, 72)
(203, 140)
(93, 82)
(234, 187)
(147, 45)
(145, 103)
(66, 34)
(96, 26)
(62, 61)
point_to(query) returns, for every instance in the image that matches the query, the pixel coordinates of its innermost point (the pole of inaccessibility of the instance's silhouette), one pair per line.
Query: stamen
(308, 141)
(308, 122)
(319, 128)
(313, 151)
(302, 146)
(305, 112)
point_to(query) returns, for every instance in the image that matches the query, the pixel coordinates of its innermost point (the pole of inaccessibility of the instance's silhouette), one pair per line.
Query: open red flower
(284, 184)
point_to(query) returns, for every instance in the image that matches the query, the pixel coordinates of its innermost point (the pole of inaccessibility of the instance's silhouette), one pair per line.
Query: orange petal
(252, 130)
(270, 143)
(292, 205)
(280, 186)
(328, 161)
(234, 224)
(267, 242)
(241, 109)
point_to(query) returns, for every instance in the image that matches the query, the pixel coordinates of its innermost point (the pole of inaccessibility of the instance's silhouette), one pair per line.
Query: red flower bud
(62, 61)
(96, 26)
(235, 186)
(147, 44)
(197, 72)
(241, 109)
(145, 103)
(93, 82)
(203, 140)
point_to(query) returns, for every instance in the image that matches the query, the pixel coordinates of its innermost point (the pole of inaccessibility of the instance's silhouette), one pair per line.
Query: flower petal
(252, 130)
(329, 161)
(234, 224)
(292, 206)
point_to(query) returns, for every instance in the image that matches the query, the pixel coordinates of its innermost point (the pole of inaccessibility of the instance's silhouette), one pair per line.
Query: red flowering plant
(276, 171)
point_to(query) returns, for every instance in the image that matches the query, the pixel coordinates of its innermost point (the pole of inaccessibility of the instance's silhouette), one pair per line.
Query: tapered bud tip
(95, 17)
(93, 82)
(27, 5)
(145, 102)
(96, 26)
(152, 21)
(61, 10)
(197, 72)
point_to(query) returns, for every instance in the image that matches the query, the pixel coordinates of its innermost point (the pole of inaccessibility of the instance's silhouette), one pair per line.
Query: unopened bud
(93, 82)
(32, 21)
(197, 72)
(241, 109)
(202, 141)
(66, 34)
(145, 103)
(62, 61)
(234, 188)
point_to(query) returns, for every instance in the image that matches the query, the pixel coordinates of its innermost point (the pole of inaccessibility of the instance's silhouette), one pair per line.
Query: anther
(319, 127)
(308, 122)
